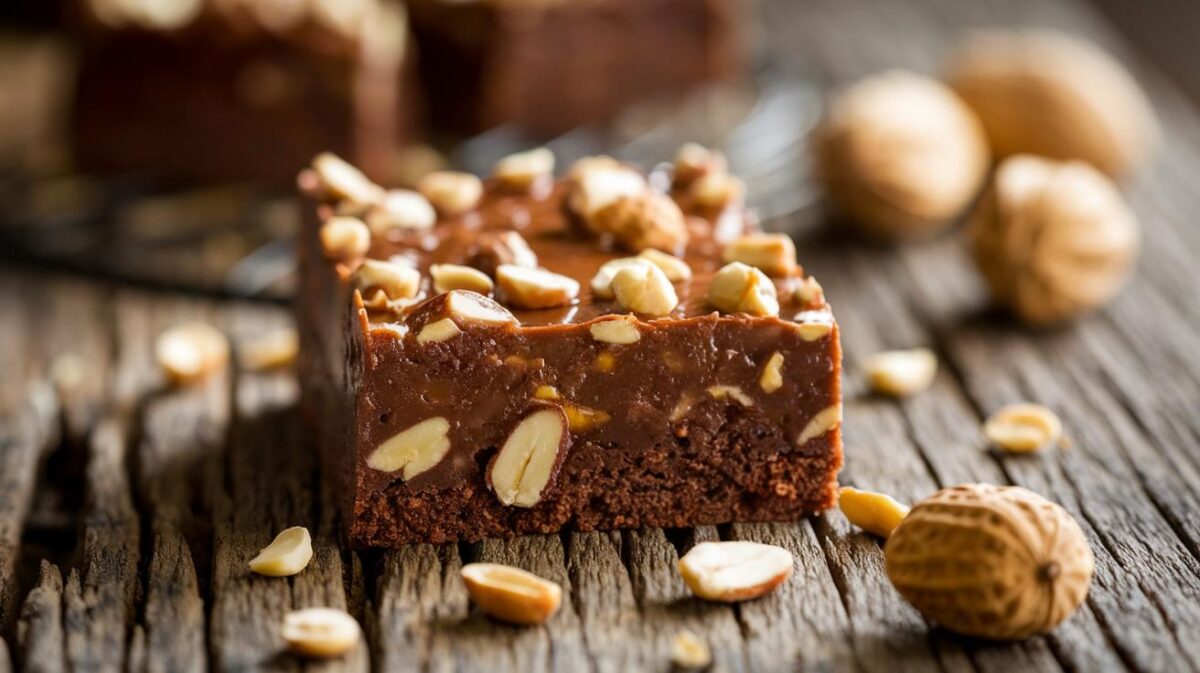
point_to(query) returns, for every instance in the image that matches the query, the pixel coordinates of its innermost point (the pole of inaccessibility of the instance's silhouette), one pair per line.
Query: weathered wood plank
(41, 638)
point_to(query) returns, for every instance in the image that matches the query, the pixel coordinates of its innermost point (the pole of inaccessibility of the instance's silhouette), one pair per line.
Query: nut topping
(414, 450)
(676, 269)
(739, 288)
(641, 221)
(772, 374)
(451, 192)
(774, 254)
(448, 277)
(320, 632)
(439, 331)
(344, 239)
(901, 373)
(620, 331)
(810, 292)
(813, 325)
(530, 457)
(689, 651)
(1023, 428)
(505, 247)
(288, 554)
(602, 281)
(597, 187)
(401, 209)
(717, 190)
(644, 288)
(875, 513)
(191, 352)
(471, 307)
(734, 571)
(694, 161)
(535, 288)
(511, 594)
(341, 180)
(733, 392)
(384, 282)
(521, 171)
(825, 420)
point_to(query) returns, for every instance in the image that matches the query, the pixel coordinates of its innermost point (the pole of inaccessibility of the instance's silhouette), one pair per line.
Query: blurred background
(156, 140)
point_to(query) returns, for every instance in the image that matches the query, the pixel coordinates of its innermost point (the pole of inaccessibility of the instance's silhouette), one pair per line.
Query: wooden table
(128, 511)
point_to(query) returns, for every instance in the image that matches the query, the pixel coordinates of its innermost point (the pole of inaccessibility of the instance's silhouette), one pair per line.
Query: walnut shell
(1054, 240)
(901, 155)
(1046, 93)
(997, 562)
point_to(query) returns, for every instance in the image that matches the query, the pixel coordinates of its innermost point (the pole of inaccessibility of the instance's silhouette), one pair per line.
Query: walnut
(1046, 93)
(1054, 240)
(901, 155)
(647, 220)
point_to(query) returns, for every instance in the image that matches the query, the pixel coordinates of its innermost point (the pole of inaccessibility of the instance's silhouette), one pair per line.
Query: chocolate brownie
(548, 66)
(526, 355)
(241, 89)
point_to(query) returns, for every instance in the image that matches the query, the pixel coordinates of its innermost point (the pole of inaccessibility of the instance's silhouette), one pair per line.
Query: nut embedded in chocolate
(827, 419)
(413, 450)
(621, 330)
(530, 457)
(772, 374)
(439, 331)
(385, 282)
(675, 269)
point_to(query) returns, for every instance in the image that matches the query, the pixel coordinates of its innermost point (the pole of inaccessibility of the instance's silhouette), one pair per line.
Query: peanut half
(873, 512)
(401, 209)
(644, 288)
(901, 373)
(272, 350)
(740, 288)
(774, 254)
(414, 450)
(522, 170)
(734, 571)
(622, 330)
(535, 288)
(344, 239)
(448, 277)
(675, 269)
(320, 633)
(772, 374)
(451, 192)
(530, 457)
(689, 651)
(191, 352)
(341, 180)
(1023, 428)
(511, 594)
(288, 554)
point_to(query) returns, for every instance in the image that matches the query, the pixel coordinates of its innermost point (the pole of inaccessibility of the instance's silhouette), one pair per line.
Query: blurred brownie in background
(240, 89)
(550, 65)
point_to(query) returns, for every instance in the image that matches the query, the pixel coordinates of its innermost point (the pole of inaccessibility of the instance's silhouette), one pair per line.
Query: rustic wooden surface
(128, 511)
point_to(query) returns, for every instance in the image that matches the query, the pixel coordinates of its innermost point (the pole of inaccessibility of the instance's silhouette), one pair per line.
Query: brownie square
(236, 94)
(549, 66)
(449, 413)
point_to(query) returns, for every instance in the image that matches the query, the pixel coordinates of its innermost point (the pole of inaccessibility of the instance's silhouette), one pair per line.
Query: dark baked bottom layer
(731, 466)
